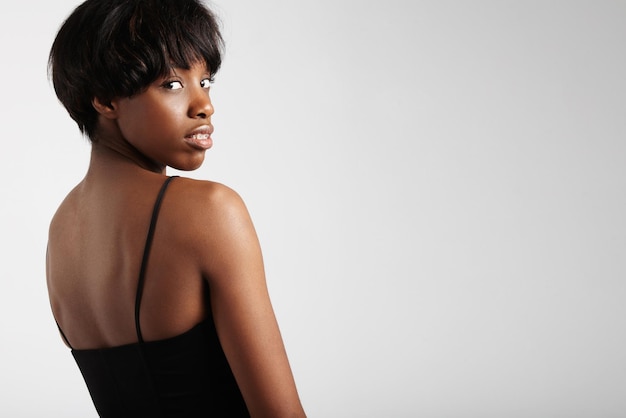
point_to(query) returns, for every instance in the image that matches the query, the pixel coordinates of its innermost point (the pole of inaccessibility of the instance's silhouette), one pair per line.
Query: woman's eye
(173, 85)
(206, 83)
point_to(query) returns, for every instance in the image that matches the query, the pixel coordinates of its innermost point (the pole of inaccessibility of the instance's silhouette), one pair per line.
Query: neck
(108, 165)
(110, 150)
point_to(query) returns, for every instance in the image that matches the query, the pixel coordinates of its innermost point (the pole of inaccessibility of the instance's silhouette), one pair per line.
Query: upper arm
(231, 260)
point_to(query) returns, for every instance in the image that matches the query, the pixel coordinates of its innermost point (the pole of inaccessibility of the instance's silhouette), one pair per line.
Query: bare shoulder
(207, 203)
(203, 194)
(210, 217)
(62, 220)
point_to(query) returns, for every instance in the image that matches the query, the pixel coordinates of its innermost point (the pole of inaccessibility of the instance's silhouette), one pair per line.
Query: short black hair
(116, 48)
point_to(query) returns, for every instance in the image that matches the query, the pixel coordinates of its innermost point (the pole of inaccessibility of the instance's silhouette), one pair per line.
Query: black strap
(63, 335)
(146, 254)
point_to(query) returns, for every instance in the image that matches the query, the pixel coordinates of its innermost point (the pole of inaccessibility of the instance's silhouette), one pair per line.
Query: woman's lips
(200, 138)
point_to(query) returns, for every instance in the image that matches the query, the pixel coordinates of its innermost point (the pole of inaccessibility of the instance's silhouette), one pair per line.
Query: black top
(183, 376)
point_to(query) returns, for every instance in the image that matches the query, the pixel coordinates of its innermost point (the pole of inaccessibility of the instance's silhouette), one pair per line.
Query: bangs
(187, 38)
(156, 36)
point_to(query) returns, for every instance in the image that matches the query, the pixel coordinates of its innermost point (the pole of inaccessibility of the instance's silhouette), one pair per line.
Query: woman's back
(95, 247)
(183, 374)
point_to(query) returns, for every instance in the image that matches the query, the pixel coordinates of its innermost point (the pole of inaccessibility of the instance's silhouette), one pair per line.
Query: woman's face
(170, 122)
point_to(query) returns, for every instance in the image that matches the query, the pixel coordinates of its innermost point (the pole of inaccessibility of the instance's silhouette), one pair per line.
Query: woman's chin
(188, 165)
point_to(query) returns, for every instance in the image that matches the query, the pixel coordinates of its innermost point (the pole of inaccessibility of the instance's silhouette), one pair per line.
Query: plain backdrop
(439, 188)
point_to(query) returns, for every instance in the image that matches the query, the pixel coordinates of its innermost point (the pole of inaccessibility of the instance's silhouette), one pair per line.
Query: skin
(204, 234)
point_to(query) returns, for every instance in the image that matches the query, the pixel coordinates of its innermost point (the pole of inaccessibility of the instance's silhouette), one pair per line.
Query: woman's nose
(201, 106)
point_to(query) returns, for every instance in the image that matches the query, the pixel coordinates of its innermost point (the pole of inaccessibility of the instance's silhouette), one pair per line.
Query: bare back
(96, 243)
(204, 238)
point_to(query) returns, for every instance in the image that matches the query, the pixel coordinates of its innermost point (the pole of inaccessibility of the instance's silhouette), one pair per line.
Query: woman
(157, 283)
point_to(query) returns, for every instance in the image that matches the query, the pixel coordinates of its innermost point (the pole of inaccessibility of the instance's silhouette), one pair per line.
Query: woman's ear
(106, 109)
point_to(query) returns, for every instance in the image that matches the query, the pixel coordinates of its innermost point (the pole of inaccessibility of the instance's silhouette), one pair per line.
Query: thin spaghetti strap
(64, 337)
(146, 254)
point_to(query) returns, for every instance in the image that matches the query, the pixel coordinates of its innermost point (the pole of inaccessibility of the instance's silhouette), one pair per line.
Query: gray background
(439, 188)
